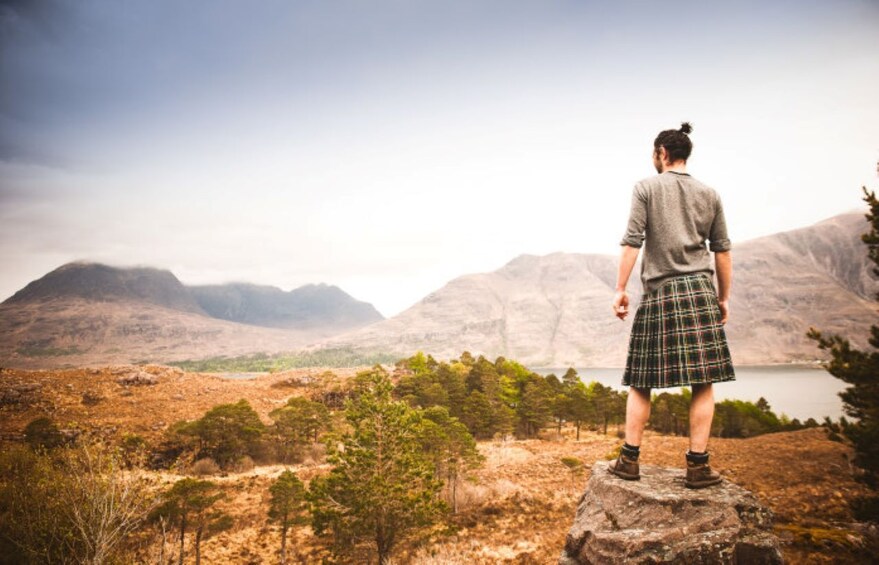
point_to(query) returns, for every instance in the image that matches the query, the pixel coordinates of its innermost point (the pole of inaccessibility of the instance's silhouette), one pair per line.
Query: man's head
(672, 147)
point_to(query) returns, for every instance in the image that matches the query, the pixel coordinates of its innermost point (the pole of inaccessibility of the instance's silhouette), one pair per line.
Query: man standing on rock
(677, 334)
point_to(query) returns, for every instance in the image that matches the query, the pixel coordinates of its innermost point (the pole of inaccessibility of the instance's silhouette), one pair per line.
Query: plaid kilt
(677, 338)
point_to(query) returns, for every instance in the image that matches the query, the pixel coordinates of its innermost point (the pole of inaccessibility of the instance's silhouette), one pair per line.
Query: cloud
(391, 144)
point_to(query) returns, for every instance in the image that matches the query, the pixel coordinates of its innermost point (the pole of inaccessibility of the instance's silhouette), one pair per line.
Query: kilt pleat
(677, 337)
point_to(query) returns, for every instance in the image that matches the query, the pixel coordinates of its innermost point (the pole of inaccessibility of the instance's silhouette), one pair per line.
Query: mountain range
(555, 310)
(545, 311)
(83, 313)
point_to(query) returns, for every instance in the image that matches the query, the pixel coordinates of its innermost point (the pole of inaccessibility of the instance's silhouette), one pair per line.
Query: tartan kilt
(677, 338)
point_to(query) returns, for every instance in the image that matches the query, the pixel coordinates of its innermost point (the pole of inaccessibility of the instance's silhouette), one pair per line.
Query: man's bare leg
(637, 414)
(701, 415)
(699, 473)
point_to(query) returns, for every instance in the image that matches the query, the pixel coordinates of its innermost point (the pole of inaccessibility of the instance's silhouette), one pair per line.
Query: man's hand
(724, 310)
(621, 304)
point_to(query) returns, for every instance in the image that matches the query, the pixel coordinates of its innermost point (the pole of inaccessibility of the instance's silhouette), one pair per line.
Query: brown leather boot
(700, 475)
(625, 468)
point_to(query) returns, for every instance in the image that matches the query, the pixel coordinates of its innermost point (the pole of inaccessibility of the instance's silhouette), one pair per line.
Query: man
(677, 334)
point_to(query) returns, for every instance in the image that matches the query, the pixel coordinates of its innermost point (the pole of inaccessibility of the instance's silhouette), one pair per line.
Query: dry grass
(516, 509)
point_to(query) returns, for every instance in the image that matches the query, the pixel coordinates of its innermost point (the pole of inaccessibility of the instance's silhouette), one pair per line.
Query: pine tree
(570, 378)
(477, 415)
(535, 408)
(298, 423)
(288, 501)
(860, 369)
(451, 448)
(580, 405)
(189, 503)
(382, 484)
(227, 432)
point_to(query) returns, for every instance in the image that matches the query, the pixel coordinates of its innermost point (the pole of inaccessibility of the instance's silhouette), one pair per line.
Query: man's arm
(632, 242)
(621, 299)
(723, 268)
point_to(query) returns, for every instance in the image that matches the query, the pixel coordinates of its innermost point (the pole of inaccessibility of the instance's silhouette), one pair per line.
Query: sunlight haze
(388, 147)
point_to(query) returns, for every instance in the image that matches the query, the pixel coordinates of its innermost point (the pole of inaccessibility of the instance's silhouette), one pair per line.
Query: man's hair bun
(676, 142)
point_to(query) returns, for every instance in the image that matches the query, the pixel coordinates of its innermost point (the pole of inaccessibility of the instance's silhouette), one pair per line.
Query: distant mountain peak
(97, 281)
(307, 306)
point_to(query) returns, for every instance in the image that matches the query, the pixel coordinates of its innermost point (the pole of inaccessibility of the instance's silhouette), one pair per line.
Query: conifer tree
(570, 378)
(288, 501)
(477, 415)
(382, 484)
(535, 408)
(860, 369)
(606, 404)
(226, 432)
(298, 423)
(580, 405)
(451, 447)
(189, 503)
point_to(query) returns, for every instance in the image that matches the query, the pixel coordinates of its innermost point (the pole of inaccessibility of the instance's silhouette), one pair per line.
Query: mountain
(545, 311)
(309, 306)
(85, 313)
(93, 281)
(555, 310)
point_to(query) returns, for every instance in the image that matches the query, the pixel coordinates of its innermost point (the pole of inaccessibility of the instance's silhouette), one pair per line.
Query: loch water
(800, 391)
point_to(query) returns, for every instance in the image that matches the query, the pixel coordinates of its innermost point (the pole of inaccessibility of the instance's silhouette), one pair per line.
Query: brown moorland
(517, 508)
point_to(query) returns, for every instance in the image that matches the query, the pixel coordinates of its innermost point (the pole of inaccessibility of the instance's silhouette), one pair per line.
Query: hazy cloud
(387, 146)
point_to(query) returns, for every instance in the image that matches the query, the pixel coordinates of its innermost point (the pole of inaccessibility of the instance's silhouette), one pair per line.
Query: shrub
(42, 433)
(205, 466)
(243, 465)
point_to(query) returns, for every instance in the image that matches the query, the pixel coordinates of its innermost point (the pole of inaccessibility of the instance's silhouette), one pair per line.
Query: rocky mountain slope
(555, 310)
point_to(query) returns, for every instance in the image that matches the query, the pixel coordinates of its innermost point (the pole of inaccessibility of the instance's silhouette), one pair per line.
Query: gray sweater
(672, 215)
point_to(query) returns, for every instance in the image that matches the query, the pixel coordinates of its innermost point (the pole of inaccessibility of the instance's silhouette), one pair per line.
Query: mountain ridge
(544, 310)
(307, 306)
(86, 313)
(554, 309)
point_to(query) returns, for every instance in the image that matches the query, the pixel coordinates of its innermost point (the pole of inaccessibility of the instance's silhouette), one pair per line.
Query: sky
(389, 146)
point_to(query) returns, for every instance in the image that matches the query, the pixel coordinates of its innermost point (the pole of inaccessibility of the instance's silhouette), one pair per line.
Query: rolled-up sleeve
(718, 236)
(635, 230)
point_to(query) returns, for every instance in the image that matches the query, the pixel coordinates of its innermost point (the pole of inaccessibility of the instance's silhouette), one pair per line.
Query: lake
(796, 390)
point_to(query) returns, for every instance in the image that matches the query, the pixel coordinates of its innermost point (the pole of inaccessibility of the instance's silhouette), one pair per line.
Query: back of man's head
(676, 142)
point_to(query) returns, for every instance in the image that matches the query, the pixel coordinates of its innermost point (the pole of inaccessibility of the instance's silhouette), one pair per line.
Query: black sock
(697, 457)
(631, 451)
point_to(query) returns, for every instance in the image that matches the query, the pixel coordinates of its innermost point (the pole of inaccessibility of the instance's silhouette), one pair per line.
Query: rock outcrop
(139, 378)
(658, 520)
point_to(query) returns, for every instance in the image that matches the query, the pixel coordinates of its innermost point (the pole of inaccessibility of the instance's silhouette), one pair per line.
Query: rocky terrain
(518, 506)
(554, 310)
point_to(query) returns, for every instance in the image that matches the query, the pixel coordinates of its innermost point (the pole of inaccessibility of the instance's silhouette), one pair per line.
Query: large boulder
(658, 520)
(138, 378)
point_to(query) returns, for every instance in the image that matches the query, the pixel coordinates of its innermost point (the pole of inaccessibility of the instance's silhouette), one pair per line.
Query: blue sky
(390, 146)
